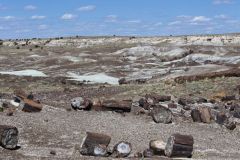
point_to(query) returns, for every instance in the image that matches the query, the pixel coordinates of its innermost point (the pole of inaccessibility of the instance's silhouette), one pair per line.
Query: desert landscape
(151, 88)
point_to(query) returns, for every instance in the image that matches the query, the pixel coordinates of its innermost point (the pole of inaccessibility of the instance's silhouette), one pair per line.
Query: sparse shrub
(1, 43)
(15, 43)
(30, 49)
(17, 47)
(41, 48)
(61, 37)
(36, 46)
(209, 39)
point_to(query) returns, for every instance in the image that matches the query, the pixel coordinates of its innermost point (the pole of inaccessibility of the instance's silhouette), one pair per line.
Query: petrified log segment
(179, 146)
(160, 114)
(31, 106)
(205, 114)
(95, 144)
(221, 118)
(196, 115)
(122, 149)
(8, 136)
(113, 105)
(158, 147)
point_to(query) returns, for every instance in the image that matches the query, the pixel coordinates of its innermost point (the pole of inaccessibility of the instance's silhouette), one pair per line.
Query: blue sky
(52, 18)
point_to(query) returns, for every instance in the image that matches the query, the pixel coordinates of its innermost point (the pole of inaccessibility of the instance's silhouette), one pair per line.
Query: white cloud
(36, 17)
(221, 16)
(174, 23)
(87, 8)
(68, 16)
(134, 21)
(217, 2)
(42, 27)
(7, 18)
(200, 19)
(111, 18)
(30, 7)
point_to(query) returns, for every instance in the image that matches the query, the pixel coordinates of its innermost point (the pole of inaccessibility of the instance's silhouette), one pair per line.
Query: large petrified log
(113, 105)
(31, 106)
(179, 146)
(161, 114)
(122, 149)
(8, 136)
(95, 144)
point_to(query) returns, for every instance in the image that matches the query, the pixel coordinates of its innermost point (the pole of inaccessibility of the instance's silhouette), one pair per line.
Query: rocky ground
(57, 70)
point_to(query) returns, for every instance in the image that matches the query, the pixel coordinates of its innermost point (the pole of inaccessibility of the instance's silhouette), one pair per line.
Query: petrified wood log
(160, 114)
(8, 136)
(95, 144)
(179, 146)
(196, 115)
(31, 106)
(221, 118)
(122, 149)
(158, 147)
(113, 105)
(205, 114)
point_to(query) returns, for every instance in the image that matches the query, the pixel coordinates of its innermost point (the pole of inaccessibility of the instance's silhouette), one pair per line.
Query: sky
(54, 18)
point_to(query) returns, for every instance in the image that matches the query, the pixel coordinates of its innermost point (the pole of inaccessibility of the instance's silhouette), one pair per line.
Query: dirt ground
(58, 128)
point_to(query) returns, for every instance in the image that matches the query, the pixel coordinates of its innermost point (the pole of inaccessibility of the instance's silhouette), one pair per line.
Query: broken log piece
(148, 153)
(95, 144)
(221, 118)
(205, 114)
(143, 103)
(179, 146)
(8, 136)
(160, 114)
(81, 103)
(31, 106)
(113, 105)
(158, 147)
(122, 149)
(230, 125)
(196, 115)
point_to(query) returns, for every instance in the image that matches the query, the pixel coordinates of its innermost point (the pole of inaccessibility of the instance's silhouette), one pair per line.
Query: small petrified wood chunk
(8, 136)
(122, 149)
(81, 103)
(158, 147)
(179, 146)
(95, 144)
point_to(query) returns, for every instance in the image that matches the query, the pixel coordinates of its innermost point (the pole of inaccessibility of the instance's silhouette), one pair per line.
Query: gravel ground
(60, 130)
